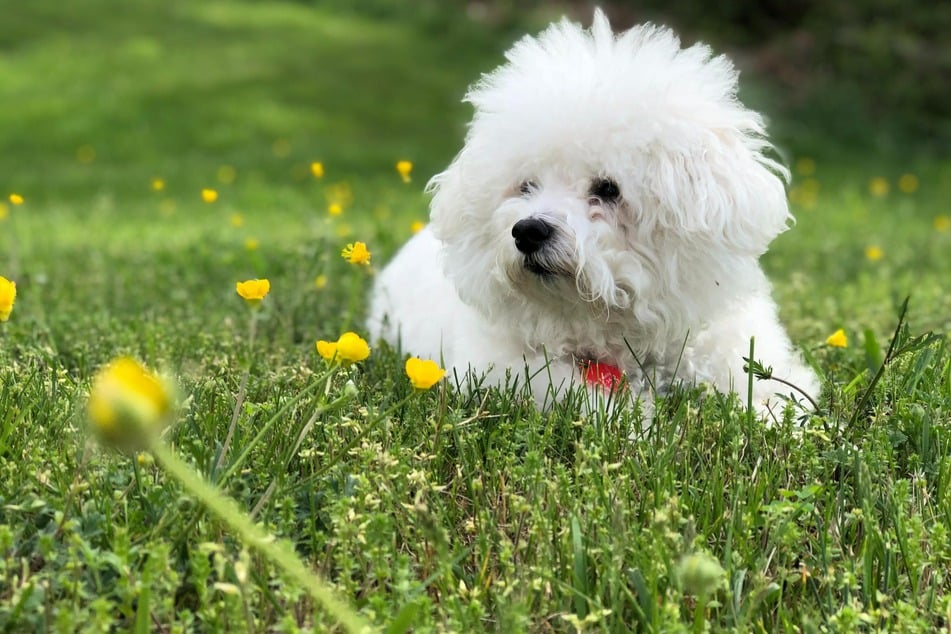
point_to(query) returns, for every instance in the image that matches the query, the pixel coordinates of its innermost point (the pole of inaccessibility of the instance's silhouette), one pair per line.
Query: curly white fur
(663, 277)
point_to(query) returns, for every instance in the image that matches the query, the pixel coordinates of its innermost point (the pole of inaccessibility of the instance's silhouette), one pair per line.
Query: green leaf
(873, 352)
(403, 619)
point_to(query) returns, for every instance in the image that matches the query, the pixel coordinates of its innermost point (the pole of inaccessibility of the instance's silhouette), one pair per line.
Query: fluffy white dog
(604, 218)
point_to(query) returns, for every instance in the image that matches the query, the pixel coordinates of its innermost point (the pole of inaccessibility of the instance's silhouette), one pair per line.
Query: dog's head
(606, 173)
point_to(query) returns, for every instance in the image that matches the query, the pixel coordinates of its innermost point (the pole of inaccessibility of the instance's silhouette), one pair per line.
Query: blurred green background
(152, 87)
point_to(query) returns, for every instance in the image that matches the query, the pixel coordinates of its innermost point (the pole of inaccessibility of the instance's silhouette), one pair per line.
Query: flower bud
(701, 574)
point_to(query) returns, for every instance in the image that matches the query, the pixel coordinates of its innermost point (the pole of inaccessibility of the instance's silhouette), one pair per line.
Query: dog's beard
(551, 261)
(560, 275)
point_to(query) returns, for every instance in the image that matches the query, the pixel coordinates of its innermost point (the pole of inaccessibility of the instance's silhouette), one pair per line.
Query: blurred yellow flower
(16, 199)
(382, 213)
(837, 339)
(942, 223)
(404, 168)
(805, 166)
(811, 186)
(251, 244)
(417, 226)
(8, 295)
(320, 282)
(167, 207)
(127, 403)
(874, 253)
(908, 183)
(806, 198)
(253, 291)
(4, 211)
(158, 184)
(423, 374)
(356, 253)
(86, 154)
(806, 193)
(878, 187)
(327, 349)
(339, 193)
(334, 209)
(209, 195)
(236, 220)
(317, 169)
(349, 348)
(226, 174)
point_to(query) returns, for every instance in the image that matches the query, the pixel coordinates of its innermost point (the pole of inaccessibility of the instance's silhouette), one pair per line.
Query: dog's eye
(527, 187)
(605, 189)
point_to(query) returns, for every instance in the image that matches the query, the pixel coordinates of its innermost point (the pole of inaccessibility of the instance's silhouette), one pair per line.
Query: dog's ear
(723, 191)
(448, 200)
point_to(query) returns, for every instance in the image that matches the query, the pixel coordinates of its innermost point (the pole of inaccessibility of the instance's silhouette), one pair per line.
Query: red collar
(599, 373)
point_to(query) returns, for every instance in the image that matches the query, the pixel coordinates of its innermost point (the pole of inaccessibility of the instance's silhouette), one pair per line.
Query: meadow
(427, 510)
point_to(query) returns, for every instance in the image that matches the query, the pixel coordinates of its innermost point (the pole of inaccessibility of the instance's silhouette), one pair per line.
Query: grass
(454, 511)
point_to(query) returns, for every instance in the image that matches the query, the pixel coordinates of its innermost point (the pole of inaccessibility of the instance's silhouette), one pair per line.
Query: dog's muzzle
(542, 246)
(531, 234)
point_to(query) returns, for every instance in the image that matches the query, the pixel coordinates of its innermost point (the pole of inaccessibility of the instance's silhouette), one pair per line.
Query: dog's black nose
(530, 234)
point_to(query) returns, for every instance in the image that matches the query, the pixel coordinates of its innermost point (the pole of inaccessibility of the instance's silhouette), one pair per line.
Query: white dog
(604, 218)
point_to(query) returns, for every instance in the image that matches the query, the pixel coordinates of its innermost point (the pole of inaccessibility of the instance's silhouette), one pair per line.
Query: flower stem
(749, 388)
(242, 392)
(278, 552)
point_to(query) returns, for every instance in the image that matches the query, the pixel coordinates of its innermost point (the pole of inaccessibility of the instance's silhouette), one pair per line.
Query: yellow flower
(942, 223)
(8, 295)
(320, 281)
(837, 339)
(167, 207)
(878, 187)
(423, 374)
(327, 349)
(405, 168)
(16, 199)
(226, 174)
(4, 211)
(209, 195)
(334, 209)
(252, 244)
(805, 166)
(317, 169)
(127, 403)
(158, 184)
(236, 220)
(86, 154)
(874, 253)
(253, 291)
(356, 253)
(352, 348)
(349, 348)
(417, 226)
